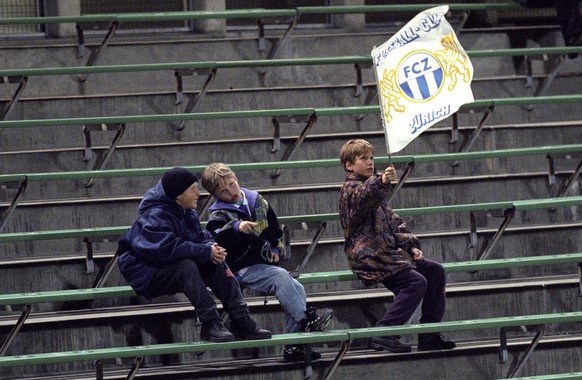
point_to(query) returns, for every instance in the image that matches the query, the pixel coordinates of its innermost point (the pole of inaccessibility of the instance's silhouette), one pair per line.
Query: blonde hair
(213, 176)
(353, 149)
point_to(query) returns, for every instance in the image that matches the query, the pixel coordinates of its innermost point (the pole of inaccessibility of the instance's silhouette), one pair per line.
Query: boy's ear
(349, 166)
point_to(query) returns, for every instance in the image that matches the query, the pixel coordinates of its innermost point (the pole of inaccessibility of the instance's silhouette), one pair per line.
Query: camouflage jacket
(377, 241)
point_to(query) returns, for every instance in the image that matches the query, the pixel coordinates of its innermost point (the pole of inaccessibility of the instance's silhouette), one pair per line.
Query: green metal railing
(118, 231)
(237, 64)
(302, 164)
(345, 335)
(305, 278)
(322, 111)
(557, 376)
(252, 13)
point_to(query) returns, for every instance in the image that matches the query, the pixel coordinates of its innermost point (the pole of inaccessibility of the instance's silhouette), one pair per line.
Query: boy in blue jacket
(167, 252)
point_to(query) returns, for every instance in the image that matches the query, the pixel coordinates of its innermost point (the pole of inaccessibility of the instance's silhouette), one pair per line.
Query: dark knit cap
(176, 180)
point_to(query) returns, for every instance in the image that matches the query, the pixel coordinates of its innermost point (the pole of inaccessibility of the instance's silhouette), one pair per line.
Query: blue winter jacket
(163, 233)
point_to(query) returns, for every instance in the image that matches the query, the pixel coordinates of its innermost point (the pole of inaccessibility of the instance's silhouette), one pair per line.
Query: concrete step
(185, 48)
(95, 211)
(315, 146)
(329, 94)
(61, 264)
(482, 351)
(350, 313)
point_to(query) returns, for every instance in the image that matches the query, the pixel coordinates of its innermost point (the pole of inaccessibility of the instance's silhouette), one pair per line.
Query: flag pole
(382, 114)
(387, 144)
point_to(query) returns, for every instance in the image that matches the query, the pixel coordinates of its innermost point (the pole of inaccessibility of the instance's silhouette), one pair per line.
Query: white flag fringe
(424, 75)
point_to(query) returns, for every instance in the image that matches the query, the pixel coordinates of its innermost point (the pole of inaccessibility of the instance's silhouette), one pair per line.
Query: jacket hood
(221, 205)
(156, 197)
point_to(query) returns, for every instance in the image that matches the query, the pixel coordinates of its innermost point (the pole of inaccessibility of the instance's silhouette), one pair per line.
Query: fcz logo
(420, 76)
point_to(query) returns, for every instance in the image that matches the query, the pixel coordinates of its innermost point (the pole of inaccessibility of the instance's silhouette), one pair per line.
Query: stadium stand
(345, 336)
(60, 181)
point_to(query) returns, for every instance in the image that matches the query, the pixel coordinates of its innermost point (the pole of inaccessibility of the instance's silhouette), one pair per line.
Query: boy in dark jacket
(380, 249)
(166, 252)
(244, 222)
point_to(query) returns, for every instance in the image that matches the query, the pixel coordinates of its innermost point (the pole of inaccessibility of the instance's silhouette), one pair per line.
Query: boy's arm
(405, 239)
(220, 221)
(276, 232)
(157, 243)
(364, 197)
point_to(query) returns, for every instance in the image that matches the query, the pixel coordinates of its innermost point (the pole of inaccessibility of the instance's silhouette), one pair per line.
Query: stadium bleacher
(66, 198)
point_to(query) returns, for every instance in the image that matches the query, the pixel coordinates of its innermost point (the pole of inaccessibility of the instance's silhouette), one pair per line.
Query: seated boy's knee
(424, 282)
(420, 282)
(436, 270)
(187, 267)
(281, 275)
(439, 272)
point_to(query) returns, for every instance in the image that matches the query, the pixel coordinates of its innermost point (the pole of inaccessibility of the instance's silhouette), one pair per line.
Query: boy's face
(228, 190)
(189, 198)
(363, 165)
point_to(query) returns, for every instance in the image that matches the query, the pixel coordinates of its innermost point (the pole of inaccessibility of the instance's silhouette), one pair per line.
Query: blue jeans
(277, 281)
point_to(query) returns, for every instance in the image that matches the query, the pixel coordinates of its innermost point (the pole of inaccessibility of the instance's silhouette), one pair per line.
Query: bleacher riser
(68, 273)
(417, 192)
(152, 328)
(27, 138)
(189, 49)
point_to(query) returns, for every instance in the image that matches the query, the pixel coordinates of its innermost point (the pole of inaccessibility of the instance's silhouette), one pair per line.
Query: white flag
(424, 75)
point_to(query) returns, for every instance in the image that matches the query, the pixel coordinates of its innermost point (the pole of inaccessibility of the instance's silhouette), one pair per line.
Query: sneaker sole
(300, 358)
(323, 322)
(253, 337)
(396, 350)
(213, 340)
(421, 348)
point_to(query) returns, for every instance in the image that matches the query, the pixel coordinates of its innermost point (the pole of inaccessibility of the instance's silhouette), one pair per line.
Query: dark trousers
(424, 283)
(192, 279)
(568, 14)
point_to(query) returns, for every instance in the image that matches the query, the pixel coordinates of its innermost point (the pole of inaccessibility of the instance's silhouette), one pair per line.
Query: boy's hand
(275, 257)
(389, 175)
(246, 226)
(418, 255)
(217, 254)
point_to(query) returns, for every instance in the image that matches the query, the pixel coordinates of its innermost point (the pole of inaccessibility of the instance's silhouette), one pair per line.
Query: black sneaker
(429, 342)
(296, 354)
(312, 322)
(247, 328)
(389, 343)
(214, 331)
